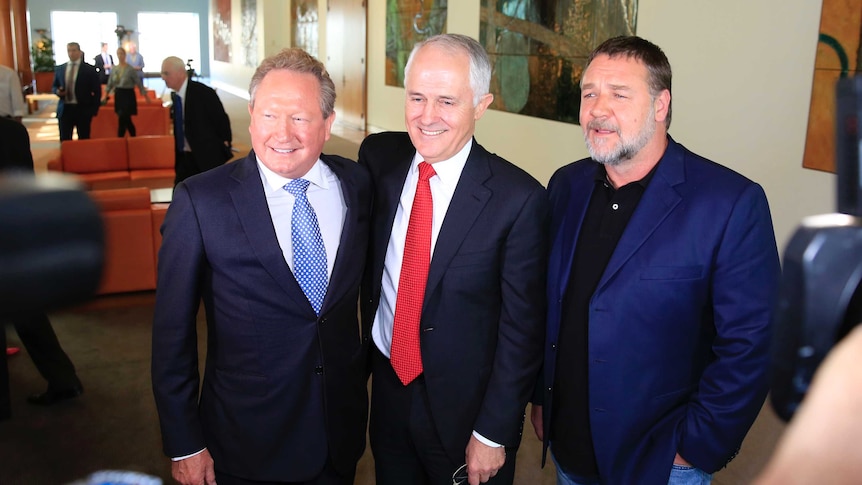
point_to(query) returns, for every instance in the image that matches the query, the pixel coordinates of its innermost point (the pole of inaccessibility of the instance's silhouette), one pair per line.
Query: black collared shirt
(607, 215)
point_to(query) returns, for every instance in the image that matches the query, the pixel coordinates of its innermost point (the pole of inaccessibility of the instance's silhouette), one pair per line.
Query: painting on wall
(249, 33)
(409, 22)
(838, 55)
(538, 49)
(305, 25)
(221, 30)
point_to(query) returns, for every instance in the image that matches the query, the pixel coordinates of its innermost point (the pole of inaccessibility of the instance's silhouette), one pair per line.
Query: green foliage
(42, 51)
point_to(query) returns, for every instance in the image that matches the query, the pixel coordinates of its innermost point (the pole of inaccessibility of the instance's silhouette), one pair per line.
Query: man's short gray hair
(299, 61)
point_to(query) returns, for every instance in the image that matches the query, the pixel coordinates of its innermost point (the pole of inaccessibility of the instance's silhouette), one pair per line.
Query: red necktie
(405, 354)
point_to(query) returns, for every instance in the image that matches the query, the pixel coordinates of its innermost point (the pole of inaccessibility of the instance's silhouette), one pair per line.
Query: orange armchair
(93, 160)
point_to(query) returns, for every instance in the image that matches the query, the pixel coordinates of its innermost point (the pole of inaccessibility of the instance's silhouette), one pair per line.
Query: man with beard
(661, 279)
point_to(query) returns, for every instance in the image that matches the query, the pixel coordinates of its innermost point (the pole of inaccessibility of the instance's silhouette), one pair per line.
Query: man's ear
(662, 105)
(480, 108)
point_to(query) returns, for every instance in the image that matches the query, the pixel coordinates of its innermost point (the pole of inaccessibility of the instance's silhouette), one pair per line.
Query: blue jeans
(679, 475)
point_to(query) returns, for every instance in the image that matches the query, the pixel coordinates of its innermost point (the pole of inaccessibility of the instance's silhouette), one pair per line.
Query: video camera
(820, 298)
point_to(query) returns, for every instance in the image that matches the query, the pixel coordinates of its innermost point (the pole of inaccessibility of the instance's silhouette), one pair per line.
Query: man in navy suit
(103, 63)
(77, 84)
(284, 395)
(457, 348)
(662, 275)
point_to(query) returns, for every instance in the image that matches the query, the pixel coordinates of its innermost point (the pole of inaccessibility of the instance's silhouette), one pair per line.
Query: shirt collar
(182, 91)
(449, 170)
(317, 175)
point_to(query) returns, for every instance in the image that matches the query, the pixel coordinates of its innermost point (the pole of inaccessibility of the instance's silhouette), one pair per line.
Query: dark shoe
(52, 396)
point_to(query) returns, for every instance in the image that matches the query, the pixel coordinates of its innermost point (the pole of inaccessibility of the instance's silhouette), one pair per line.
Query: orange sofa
(152, 119)
(132, 238)
(94, 160)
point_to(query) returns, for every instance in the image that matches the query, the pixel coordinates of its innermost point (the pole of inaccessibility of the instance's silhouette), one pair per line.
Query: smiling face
(620, 118)
(287, 127)
(439, 110)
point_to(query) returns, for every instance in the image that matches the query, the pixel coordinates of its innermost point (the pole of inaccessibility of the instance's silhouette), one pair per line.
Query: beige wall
(742, 81)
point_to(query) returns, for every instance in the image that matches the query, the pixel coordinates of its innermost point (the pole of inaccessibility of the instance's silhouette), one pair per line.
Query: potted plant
(43, 62)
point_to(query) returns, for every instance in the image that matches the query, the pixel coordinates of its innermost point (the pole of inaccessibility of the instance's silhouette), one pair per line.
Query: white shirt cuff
(486, 441)
(187, 456)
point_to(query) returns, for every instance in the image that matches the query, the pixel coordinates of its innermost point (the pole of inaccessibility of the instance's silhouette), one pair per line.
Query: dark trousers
(404, 439)
(327, 477)
(124, 122)
(41, 342)
(74, 117)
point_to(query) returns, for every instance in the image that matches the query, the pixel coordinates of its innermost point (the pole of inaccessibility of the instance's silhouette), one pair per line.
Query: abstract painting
(409, 22)
(221, 30)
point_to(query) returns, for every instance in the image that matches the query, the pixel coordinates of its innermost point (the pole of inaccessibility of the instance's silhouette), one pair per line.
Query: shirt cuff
(187, 456)
(486, 441)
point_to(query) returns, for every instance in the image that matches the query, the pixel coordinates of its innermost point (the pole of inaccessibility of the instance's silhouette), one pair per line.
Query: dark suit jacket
(483, 313)
(282, 388)
(88, 89)
(679, 324)
(99, 63)
(207, 126)
(14, 146)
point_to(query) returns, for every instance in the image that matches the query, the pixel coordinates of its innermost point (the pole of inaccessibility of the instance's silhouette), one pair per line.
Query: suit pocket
(672, 273)
(474, 258)
(249, 384)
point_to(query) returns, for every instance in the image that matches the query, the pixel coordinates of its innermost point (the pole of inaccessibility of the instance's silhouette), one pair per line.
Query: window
(165, 34)
(89, 29)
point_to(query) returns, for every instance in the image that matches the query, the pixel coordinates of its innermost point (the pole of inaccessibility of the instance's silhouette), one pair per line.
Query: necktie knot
(426, 171)
(297, 187)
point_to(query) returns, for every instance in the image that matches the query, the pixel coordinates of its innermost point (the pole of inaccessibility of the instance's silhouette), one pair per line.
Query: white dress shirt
(11, 95)
(326, 198)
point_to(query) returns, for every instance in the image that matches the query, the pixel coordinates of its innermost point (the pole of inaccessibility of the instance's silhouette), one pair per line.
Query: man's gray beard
(627, 148)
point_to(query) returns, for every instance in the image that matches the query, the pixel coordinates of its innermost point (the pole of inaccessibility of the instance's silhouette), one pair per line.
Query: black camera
(820, 299)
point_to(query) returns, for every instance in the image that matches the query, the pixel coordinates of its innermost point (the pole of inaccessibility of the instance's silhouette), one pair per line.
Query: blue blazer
(283, 389)
(88, 88)
(679, 324)
(483, 314)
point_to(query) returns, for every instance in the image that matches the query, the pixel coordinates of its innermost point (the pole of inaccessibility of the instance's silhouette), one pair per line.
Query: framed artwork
(221, 30)
(538, 49)
(249, 33)
(305, 25)
(409, 22)
(838, 55)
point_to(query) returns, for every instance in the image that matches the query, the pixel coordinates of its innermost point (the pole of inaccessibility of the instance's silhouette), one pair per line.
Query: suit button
(318, 370)
(550, 389)
(554, 346)
(322, 321)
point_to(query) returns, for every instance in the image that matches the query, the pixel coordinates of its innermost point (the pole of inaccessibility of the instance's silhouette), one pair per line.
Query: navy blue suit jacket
(282, 388)
(679, 324)
(88, 88)
(483, 313)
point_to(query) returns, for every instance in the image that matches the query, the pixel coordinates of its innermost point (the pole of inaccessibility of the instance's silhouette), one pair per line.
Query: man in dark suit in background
(662, 276)
(284, 395)
(34, 330)
(457, 339)
(104, 62)
(77, 85)
(201, 127)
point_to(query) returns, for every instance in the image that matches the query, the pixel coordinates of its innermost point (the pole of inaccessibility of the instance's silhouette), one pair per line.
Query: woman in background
(122, 82)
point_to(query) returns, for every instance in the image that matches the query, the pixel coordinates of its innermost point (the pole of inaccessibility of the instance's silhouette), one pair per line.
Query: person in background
(11, 95)
(201, 126)
(77, 84)
(104, 62)
(274, 244)
(661, 281)
(122, 84)
(136, 60)
(455, 282)
(34, 330)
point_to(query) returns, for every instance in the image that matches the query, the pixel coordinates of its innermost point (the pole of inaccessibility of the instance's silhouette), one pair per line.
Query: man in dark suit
(662, 275)
(77, 85)
(457, 339)
(34, 330)
(284, 394)
(104, 62)
(201, 126)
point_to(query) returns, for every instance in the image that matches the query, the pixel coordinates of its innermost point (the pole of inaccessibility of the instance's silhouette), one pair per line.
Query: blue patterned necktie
(179, 135)
(309, 254)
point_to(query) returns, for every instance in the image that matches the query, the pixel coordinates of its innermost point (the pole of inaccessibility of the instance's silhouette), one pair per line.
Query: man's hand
(536, 419)
(483, 461)
(195, 470)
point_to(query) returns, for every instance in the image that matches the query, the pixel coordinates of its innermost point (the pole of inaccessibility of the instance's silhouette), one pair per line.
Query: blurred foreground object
(51, 243)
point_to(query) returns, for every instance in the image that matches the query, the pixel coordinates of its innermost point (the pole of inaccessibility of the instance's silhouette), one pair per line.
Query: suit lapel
(250, 204)
(659, 199)
(469, 199)
(573, 209)
(345, 269)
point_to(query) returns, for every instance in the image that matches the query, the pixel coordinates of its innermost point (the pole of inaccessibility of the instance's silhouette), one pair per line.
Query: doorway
(345, 59)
